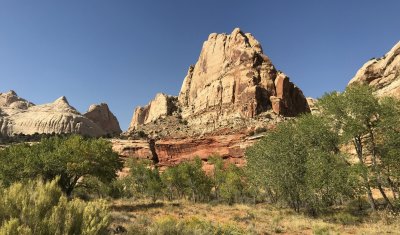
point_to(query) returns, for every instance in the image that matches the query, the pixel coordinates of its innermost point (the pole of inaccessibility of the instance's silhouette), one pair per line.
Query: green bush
(35, 207)
(233, 187)
(187, 180)
(91, 187)
(145, 179)
(345, 218)
(193, 226)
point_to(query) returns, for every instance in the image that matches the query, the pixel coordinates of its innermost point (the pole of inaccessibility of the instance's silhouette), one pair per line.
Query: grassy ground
(257, 219)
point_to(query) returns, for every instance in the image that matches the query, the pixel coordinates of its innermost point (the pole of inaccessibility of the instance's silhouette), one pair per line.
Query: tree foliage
(299, 163)
(145, 179)
(70, 159)
(187, 180)
(229, 181)
(371, 125)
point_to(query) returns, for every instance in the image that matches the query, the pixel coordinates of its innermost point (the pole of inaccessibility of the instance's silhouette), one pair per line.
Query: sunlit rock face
(19, 116)
(231, 83)
(161, 106)
(101, 115)
(382, 73)
(233, 78)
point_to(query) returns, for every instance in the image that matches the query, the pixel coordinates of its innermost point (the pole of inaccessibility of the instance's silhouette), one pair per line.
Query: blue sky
(123, 52)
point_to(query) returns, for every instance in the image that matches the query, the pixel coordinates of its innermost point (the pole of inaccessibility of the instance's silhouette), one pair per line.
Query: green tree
(70, 158)
(300, 164)
(218, 174)
(145, 179)
(233, 187)
(362, 119)
(229, 181)
(388, 143)
(187, 180)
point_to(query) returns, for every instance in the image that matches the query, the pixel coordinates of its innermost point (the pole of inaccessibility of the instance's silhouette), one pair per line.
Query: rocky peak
(161, 106)
(101, 115)
(233, 78)
(11, 100)
(59, 105)
(382, 73)
(232, 81)
(62, 101)
(11, 93)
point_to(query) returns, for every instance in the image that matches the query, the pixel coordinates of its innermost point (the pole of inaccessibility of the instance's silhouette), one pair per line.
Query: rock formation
(162, 106)
(227, 98)
(233, 78)
(10, 101)
(173, 151)
(382, 73)
(101, 115)
(312, 104)
(19, 116)
(231, 83)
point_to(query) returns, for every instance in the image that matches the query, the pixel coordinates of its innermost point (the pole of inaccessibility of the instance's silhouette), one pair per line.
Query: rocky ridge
(382, 73)
(19, 116)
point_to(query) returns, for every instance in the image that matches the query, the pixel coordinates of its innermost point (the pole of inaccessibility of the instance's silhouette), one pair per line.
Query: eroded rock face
(19, 116)
(173, 151)
(101, 115)
(234, 79)
(162, 106)
(229, 147)
(232, 83)
(382, 73)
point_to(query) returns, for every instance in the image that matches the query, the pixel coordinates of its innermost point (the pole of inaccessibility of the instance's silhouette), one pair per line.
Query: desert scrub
(35, 207)
(168, 225)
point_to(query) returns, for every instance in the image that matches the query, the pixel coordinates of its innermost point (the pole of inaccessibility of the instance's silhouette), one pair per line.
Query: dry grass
(257, 219)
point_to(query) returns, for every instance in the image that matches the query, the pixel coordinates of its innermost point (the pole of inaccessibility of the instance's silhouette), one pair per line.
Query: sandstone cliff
(232, 84)
(234, 79)
(19, 116)
(172, 151)
(382, 73)
(101, 115)
(162, 106)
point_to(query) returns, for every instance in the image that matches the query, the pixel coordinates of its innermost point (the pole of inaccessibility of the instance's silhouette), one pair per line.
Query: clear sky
(123, 52)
